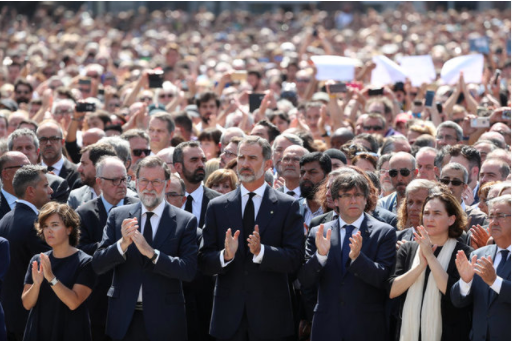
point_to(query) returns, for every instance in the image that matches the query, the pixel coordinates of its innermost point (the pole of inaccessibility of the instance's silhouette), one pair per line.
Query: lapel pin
(271, 212)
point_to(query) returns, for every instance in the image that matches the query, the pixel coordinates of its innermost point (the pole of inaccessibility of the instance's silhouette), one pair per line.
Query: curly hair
(453, 208)
(68, 216)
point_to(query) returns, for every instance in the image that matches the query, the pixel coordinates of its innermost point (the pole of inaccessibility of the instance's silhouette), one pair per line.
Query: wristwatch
(53, 281)
(155, 255)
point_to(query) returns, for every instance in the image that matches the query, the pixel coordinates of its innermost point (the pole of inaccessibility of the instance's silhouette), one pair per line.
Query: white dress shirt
(197, 201)
(56, 167)
(496, 286)
(357, 225)
(257, 199)
(296, 191)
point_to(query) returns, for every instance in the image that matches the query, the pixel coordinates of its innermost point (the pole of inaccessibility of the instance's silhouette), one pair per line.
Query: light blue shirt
(108, 206)
(29, 205)
(11, 199)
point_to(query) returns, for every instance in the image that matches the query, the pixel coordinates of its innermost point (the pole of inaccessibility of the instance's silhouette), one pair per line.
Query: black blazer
(456, 321)
(93, 218)
(163, 301)
(60, 188)
(17, 227)
(69, 172)
(4, 206)
(208, 194)
(243, 287)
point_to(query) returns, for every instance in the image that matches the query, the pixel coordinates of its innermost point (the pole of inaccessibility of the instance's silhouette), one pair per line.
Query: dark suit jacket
(346, 303)
(4, 265)
(491, 320)
(93, 218)
(17, 227)
(456, 321)
(69, 172)
(259, 290)
(163, 302)
(208, 194)
(4, 206)
(475, 217)
(60, 188)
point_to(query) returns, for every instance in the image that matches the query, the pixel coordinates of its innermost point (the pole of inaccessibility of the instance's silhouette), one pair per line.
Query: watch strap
(53, 281)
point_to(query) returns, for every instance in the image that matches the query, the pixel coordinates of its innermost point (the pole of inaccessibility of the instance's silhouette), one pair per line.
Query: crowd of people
(185, 176)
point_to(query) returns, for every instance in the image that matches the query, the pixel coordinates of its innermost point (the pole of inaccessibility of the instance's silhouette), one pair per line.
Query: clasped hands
(43, 271)
(231, 243)
(323, 244)
(131, 234)
(483, 267)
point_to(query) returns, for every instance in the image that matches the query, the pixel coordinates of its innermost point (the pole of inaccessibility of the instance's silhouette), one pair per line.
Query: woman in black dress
(58, 281)
(425, 272)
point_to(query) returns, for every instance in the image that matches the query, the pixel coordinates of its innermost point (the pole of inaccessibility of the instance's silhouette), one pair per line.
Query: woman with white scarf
(425, 272)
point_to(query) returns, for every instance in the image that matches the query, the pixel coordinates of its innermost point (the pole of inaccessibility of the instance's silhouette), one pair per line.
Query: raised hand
(485, 269)
(323, 244)
(479, 236)
(37, 273)
(254, 241)
(47, 267)
(422, 238)
(230, 245)
(464, 267)
(356, 243)
(128, 228)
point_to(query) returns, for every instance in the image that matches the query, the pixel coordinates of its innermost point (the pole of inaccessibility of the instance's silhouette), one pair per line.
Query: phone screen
(255, 101)
(429, 98)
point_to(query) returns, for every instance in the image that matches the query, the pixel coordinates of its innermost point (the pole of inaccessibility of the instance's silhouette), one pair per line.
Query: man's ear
(178, 167)
(268, 165)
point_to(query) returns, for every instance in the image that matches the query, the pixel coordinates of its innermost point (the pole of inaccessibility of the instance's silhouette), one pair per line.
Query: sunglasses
(455, 182)
(403, 172)
(367, 128)
(165, 95)
(138, 152)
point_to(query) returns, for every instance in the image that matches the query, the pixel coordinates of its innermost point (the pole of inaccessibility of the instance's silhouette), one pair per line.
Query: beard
(151, 201)
(250, 177)
(308, 189)
(194, 177)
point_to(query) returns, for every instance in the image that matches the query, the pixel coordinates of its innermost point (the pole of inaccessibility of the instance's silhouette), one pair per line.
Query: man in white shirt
(290, 170)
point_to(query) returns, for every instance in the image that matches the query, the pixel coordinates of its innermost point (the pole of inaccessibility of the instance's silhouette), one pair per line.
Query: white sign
(419, 69)
(471, 65)
(386, 72)
(334, 67)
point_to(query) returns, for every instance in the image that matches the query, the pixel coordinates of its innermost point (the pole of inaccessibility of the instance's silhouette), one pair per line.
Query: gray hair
(425, 150)
(418, 184)
(121, 146)
(458, 167)
(452, 125)
(26, 176)
(19, 133)
(182, 183)
(63, 102)
(239, 132)
(51, 123)
(504, 199)
(265, 146)
(153, 162)
(501, 186)
(294, 139)
(269, 177)
(104, 161)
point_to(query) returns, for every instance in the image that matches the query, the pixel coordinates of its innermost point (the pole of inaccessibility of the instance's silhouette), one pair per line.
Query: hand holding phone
(429, 98)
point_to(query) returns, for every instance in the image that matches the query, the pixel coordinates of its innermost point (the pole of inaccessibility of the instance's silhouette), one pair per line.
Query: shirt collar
(356, 224)
(29, 204)
(197, 195)
(108, 205)
(259, 191)
(57, 166)
(295, 190)
(158, 211)
(463, 205)
(9, 197)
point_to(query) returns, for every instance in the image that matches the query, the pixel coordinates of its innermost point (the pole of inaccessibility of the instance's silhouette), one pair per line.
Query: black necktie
(292, 193)
(345, 250)
(111, 209)
(188, 205)
(500, 270)
(50, 168)
(248, 219)
(148, 230)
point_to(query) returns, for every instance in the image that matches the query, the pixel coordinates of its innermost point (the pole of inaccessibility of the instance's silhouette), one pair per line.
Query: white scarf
(428, 314)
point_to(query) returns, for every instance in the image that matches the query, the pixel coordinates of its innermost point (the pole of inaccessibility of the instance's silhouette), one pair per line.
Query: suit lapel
(135, 212)
(493, 251)
(233, 210)
(204, 204)
(166, 226)
(335, 242)
(5, 208)
(267, 209)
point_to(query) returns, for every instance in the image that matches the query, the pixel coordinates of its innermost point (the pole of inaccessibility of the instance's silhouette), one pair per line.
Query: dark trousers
(245, 334)
(98, 333)
(14, 336)
(137, 329)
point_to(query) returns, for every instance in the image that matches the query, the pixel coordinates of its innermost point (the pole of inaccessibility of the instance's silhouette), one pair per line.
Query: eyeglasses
(302, 80)
(445, 137)
(290, 160)
(166, 95)
(458, 120)
(403, 172)
(62, 112)
(455, 182)
(51, 139)
(118, 181)
(173, 194)
(383, 171)
(156, 183)
(367, 128)
(499, 216)
(12, 167)
(138, 152)
(228, 153)
(146, 99)
(350, 196)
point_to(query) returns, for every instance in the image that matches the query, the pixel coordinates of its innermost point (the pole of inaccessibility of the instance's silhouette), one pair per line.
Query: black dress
(50, 319)
(456, 321)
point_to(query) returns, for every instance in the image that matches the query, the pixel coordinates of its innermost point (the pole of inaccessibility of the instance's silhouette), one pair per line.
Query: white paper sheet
(471, 65)
(386, 72)
(334, 67)
(419, 69)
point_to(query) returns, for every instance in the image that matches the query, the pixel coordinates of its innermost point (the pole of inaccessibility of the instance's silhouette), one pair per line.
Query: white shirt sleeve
(321, 259)
(259, 258)
(464, 287)
(222, 262)
(496, 286)
(119, 248)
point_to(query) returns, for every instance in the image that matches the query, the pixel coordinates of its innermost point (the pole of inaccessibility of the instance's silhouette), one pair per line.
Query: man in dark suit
(10, 162)
(252, 299)
(51, 141)
(189, 160)
(111, 179)
(26, 142)
(489, 292)
(150, 262)
(290, 170)
(349, 259)
(17, 226)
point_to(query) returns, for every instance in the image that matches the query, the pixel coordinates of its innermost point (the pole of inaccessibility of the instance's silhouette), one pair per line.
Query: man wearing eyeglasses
(10, 162)
(152, 248)
(290, 170)
(51, 142)
(448, 134)
(489, 291)
(111, 179)
(402, 170)
(229, 152)
(175, 194)
(139, 146)
(455, 176)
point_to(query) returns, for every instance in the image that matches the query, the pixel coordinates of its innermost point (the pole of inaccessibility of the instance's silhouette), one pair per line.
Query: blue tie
(345, 250)
(500, 271)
